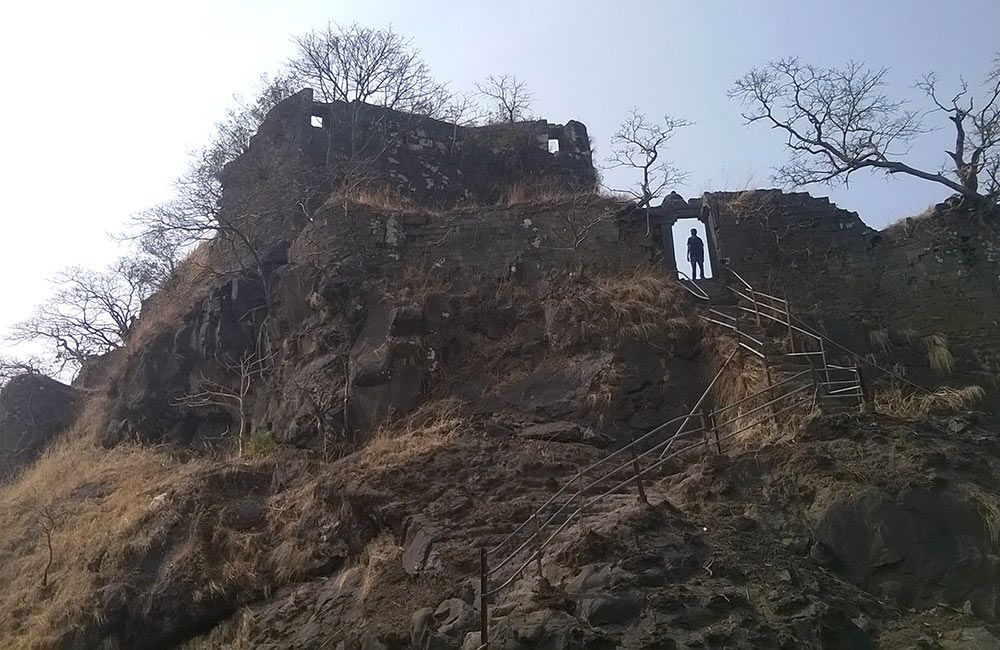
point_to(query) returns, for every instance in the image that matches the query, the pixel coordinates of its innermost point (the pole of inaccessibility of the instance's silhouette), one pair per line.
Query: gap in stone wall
(680, 233)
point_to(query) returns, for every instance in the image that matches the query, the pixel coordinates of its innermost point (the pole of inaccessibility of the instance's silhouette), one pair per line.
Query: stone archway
(672, 210)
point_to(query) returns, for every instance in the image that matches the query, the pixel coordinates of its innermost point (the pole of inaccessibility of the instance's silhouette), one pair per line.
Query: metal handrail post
(756, 309)
(715, 431)
(538, 545)
(788, 320)
(638, 477)
(707, 426)
(826, 366)
(484, 617)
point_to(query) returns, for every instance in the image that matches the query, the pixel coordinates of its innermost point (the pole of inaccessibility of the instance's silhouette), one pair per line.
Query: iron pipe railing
(546, 527)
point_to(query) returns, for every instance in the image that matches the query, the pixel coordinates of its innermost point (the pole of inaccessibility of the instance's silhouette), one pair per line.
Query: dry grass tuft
(745, 376)
(989, 510)
(938, 354)
(396, 443)
(378, 554)
(894, 402)
(880, 340)
(602, 391)
(384, 199)
(420, 281)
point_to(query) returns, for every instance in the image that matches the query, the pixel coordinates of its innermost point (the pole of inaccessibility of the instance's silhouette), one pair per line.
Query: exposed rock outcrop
(33, 409)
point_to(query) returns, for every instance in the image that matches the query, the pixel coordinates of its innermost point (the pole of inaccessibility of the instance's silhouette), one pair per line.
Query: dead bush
(892, 400)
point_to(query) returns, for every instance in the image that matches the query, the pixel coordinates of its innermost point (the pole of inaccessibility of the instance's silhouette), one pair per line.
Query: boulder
(33, 409)
(921, 547)
(563, 432)
(613, 609)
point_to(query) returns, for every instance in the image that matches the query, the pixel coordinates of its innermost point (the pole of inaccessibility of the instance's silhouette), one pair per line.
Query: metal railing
(834, 382)
(690, 285)
(699, 429)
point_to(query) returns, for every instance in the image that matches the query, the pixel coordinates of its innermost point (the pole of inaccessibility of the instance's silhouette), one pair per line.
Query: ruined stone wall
(821, 257)
(478, 243)
(432, 162)
(942, 276)
(933, 276)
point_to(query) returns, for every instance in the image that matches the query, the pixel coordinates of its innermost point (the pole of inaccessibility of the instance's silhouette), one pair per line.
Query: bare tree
(462, 110)
(838, 121)
(166, 232)
(90, 312)
(362, 67)
(638, 144)
(352, 63)
(508, 97)
(45, 519)
(11, 367)
(247, 371)
(976, 156)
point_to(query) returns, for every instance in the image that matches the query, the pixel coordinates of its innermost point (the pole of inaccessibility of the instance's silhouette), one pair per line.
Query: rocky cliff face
(314, 429)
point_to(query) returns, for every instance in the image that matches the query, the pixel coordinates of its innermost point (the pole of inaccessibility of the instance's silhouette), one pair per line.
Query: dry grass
(938, 354)
(643, 304)
(188, 286)
(745, 376)
(420, 281)
(398, 442)
(97, 501)
(905, 225)
(545, 193)
(989, 509)
(293, 555)
(384, 199)
(379, 553)
(880, 340)
(893, 401)
(602, 392)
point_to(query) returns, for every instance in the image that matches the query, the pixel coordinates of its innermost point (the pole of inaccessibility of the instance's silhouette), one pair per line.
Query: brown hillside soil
(780, 548)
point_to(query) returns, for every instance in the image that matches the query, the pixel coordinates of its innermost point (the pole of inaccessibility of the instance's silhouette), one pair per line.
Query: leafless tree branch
(839, 121)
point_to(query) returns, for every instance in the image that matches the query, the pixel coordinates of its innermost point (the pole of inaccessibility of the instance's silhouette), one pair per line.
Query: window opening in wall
(680, 233)
(317, 121)
(553, 145)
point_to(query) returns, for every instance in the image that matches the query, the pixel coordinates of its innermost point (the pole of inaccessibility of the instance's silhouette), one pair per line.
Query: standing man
(696, 254)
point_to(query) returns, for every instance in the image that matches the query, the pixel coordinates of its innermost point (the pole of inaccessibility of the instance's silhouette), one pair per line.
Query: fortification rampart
(428, 161)
(934, 275)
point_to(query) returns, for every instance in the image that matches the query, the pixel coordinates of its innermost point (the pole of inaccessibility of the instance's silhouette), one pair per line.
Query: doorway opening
(680, 233)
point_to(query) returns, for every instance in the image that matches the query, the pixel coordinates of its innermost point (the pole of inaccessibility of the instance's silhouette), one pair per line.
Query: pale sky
(103, 100)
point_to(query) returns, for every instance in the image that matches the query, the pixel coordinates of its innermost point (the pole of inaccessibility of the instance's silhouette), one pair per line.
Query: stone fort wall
(428, 161)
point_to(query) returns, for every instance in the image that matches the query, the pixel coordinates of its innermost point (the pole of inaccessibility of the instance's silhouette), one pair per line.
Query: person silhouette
(696, 254)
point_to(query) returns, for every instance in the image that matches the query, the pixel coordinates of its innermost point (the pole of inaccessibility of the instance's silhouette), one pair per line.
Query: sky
(104, 100)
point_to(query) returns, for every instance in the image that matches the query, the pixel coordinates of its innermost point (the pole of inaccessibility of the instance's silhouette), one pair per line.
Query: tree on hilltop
(351, 63)
(507, 97)
(638, 144)
(838, 121)
(90, 312)
(166, 232)
(361, 68)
